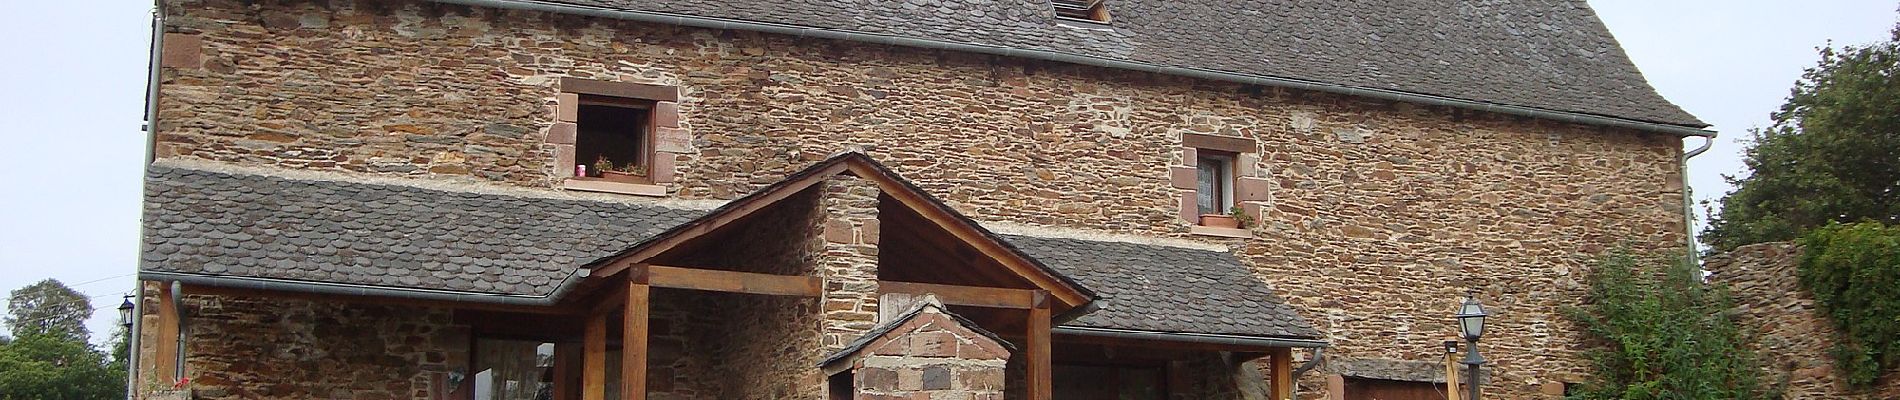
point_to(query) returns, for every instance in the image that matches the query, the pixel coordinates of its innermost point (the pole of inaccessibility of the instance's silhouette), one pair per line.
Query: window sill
(590, 185)
(1220, 232)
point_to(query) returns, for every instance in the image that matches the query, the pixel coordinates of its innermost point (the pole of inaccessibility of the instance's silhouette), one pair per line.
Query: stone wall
(1379, 216)
(930, 356)
(1794, 338)
(273, 348)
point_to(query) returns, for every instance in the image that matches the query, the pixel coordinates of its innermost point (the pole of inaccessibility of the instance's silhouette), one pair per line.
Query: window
(1088, 382)
(613, 141)
(513, 370)
(1214, 183)
(1084, 10)
(617, 137)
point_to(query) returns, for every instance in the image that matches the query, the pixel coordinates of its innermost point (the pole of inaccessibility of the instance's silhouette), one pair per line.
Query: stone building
(688, 199)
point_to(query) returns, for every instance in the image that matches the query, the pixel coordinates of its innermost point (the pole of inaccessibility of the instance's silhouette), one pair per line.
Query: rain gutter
(1072, 58)
(345, 289)
(1208, 338)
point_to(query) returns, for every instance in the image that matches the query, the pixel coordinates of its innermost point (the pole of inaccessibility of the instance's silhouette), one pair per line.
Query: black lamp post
(125, 312)
(1471, 323)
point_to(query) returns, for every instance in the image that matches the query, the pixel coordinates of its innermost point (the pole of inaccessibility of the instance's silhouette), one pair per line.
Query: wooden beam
(1282, 370)
(633, 343)
(1041, 375)
(594, 358)
(1069, 295)
(750, 204)
(566, 356)
(733, 281)
(973, 296)
(166, 359)
(380, 300)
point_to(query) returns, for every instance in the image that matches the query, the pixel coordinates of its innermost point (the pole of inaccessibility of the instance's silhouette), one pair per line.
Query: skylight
(1086, 10)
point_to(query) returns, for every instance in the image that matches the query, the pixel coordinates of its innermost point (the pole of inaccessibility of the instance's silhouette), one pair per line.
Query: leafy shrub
(1853, 270)
(1656, 331)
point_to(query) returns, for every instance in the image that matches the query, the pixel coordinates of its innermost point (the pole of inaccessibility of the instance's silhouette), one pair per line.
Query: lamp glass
(125, 311)
(1471, 319)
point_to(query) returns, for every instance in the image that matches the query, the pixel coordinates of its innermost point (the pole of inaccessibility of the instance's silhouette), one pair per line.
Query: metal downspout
(1072, 58)
(1688, 198)
(178, 366)
(151, 80)
(1188, 337)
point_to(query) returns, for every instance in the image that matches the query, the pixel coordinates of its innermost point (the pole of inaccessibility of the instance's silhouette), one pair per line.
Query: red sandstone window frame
(664, 142)
(1237, 187)
(644, 156)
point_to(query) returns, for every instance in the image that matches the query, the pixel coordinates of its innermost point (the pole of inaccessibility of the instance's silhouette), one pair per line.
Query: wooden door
(1379, 389)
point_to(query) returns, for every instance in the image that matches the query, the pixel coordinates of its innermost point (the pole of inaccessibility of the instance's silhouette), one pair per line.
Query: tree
(55, 367)
(1853, 271)
(1832, 153)
(1656, 331)
(48, 307)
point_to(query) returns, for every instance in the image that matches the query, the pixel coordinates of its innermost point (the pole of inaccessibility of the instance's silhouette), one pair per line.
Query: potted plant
(631, 172)
(600, 167)
(1234, 219)
(1219, 221)
(1241, 219)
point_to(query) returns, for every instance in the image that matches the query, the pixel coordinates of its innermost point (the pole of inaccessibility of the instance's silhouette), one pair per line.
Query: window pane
(513, 369)
(1210, 184)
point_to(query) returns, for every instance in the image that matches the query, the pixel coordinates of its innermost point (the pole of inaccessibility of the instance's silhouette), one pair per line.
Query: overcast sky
(73, 90)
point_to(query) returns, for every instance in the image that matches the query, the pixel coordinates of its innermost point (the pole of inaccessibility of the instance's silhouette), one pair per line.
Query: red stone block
(672, 140)
(1253, 189)
(562, 133)
(567, 107)
(663, 167)
(666, 114)
(1183, 177)
(1190, 209)
(933, 344)
(182, 51)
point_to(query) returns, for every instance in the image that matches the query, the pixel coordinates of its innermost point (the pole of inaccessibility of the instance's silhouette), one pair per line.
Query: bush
(1656, 331)
(1853, 271)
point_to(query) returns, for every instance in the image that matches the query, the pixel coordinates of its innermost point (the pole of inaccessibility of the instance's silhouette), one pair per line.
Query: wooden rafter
(973, 296)
(733, 282)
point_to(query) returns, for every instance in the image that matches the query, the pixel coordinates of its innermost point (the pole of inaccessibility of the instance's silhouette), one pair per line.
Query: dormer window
(1083, 10)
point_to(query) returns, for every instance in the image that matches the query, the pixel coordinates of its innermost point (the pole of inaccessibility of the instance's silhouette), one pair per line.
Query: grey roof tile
(1546, 54)
(380, 234)
(413, 237)
(1168, 289)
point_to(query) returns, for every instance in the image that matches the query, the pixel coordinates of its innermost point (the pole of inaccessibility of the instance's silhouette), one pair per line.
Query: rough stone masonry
(1373, 234)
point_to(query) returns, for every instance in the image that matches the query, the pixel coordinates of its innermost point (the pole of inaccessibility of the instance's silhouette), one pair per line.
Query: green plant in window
(1240, 215)
(601, 164)
(634, 168)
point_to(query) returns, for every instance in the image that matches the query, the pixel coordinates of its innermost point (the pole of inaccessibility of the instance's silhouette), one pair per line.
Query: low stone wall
(1795, 340)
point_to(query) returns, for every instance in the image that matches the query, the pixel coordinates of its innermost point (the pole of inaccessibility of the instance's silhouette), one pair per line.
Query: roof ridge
(458, 185)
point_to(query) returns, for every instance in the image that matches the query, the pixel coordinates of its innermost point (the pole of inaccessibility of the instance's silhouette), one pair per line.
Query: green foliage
(48, 307)
(57, 367)
(1853, 271)
(1656, 331)
(1831, 154)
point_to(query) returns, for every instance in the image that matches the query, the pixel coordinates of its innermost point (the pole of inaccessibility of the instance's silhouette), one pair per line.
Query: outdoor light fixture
(1451, 347)
(1471, 322)
(125, 312)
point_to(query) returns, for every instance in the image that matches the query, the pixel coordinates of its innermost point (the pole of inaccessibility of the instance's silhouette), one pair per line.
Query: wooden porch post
(633, 348)
(1282, 359)
(594, 361)
(166, 359)
(1041, 373)
(564, 371)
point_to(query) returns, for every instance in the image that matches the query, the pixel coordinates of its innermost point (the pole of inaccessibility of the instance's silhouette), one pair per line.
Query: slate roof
(1545, 54)
(1169, 289)
(258, 226)
(217, 223)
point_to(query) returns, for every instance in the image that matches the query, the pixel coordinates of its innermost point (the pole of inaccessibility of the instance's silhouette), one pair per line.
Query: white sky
(72, 99)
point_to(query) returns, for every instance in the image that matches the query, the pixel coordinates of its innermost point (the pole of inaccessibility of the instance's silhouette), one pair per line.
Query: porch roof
(215, 221)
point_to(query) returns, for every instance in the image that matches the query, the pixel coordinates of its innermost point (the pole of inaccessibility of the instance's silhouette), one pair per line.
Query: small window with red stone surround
(1215, 178)
(617, 137)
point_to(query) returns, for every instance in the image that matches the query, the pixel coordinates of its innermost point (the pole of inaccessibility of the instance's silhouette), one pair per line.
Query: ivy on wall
(1853, 271)
(1654, 330)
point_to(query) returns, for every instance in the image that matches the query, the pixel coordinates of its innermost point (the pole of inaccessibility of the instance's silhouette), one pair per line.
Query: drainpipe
(132, 341)
(345, 289)
(1688, 198)
(151, 80)
(178, 366)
